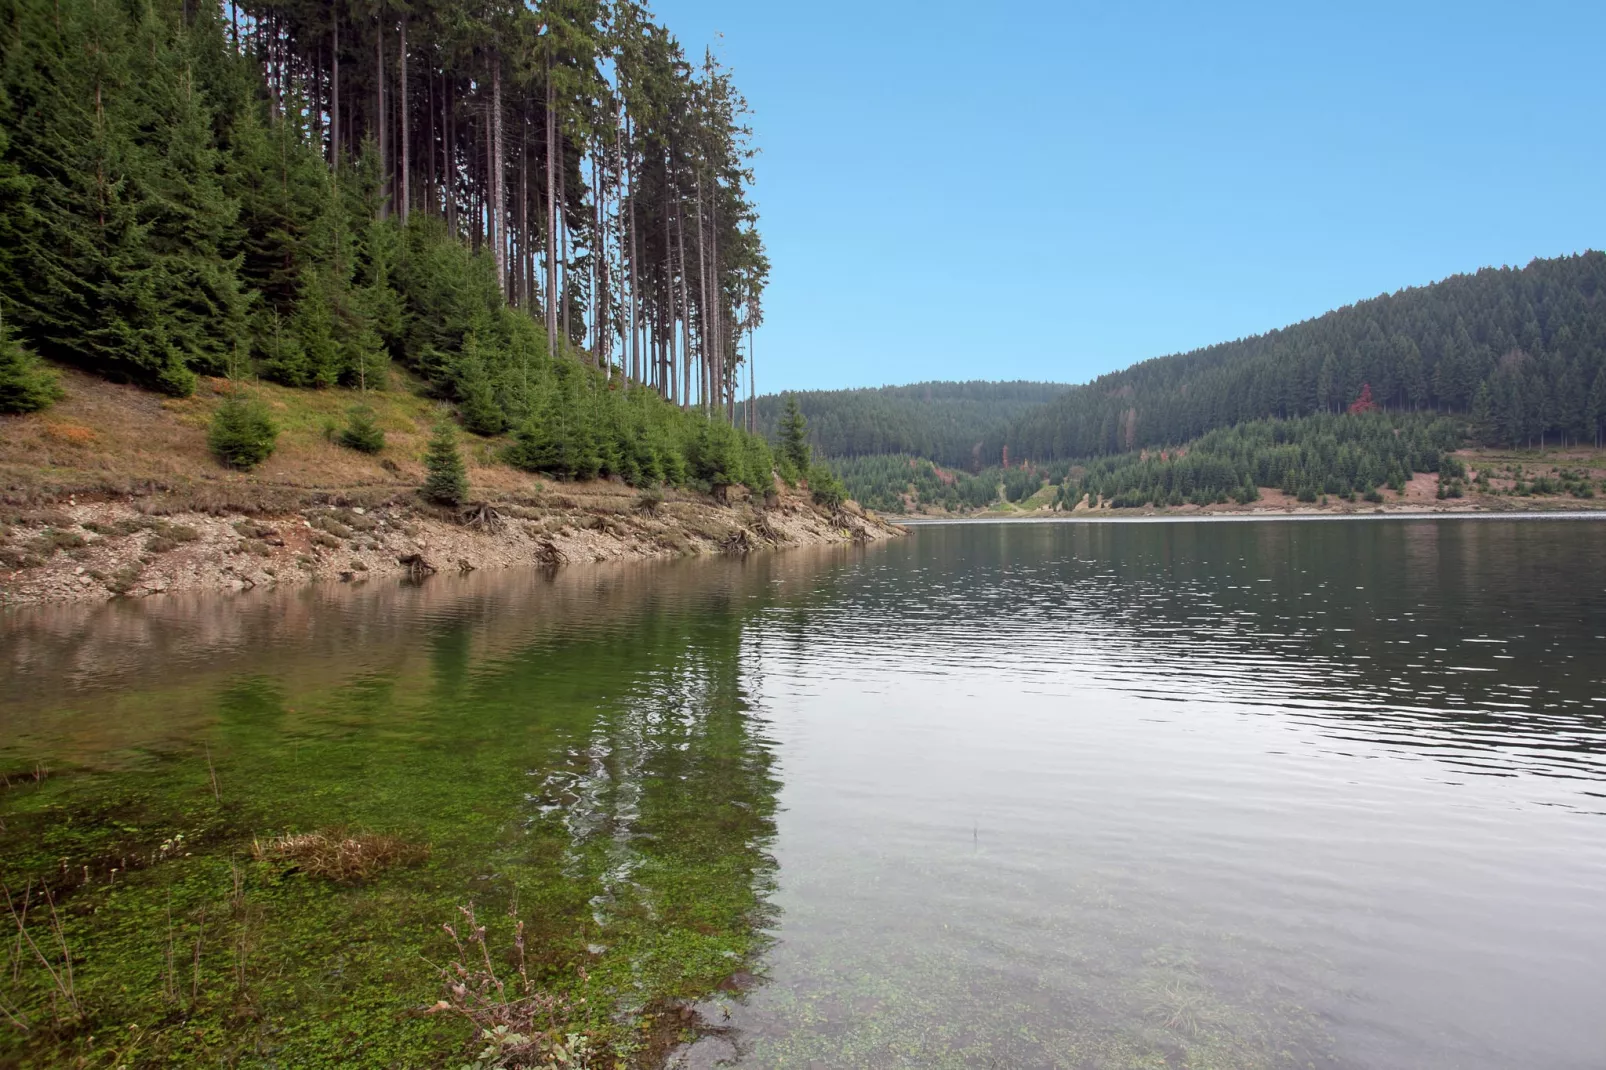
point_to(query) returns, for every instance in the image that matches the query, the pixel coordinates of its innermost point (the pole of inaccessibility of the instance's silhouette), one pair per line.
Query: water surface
(1269, 794)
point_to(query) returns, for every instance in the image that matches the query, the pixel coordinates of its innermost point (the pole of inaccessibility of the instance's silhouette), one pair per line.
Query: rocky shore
(76, 550)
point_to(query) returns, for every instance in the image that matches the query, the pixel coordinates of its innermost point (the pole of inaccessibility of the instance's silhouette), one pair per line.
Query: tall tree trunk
(379, 118)
(523, 296)
(726, 376)
(635, 257)
(402, 197)
(314, 91)
(666, 302)
(685, 306)
(495, 184)
(449, 150)
(705, 377)
(565, 297)
(432, 186)
(594, 326)
(551, 213)
(603, 315)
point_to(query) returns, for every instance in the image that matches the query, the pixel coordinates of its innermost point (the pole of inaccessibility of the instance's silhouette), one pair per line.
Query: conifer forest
(540, 211)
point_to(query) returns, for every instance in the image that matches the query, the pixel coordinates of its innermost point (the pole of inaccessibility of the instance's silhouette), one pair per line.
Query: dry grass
(335, 854)
(108, 439)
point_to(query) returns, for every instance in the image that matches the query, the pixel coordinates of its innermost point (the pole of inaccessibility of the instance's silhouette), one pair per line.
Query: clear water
(1238, 794)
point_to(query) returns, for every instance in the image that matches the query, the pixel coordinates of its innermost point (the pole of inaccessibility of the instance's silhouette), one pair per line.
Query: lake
(1324, 793)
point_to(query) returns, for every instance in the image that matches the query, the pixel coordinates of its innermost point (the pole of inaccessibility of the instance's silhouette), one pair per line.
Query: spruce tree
(26, 384)
(107, 280)
(447, 482)
(242, 433)
(477, 403)
(362, 432)
(796, 453)
(314, 327)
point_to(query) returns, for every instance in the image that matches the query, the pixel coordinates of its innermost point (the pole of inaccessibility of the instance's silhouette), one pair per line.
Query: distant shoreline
(1134, 517)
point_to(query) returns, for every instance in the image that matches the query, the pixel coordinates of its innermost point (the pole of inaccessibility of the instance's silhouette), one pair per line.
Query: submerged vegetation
(339, 855)
(228, 901)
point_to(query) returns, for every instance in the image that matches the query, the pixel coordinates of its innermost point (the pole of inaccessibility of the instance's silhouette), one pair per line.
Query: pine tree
(447, 482)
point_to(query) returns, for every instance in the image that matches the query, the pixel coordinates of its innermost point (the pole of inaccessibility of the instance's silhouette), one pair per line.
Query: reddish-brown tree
(1364, 403)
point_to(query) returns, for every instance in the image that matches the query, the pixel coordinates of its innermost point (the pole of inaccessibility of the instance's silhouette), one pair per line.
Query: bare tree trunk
(685, 305)
(334, 109)
(401, 104)
(726, 376)
(432, 184)
(666, 312)
(609, 180)
(565, 297)
(449, 151)
(495, 184)
(634, 277)
(595, 326)
(379, 118)
(704, 379)
(315, 90)
(551, 214)
(523, 298)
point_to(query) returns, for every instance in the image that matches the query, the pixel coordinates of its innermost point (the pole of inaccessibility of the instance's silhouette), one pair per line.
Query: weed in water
(335, 855)
(517, 1023)
(64, 990)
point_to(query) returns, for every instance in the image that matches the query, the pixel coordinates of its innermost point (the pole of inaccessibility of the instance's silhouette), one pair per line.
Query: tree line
(945, 422)
(1521, 352)
(1349, 456)
(313, 191)
(1346, 456)
(892, 482)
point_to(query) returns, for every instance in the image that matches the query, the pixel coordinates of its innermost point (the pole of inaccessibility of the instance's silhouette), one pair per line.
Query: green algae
(616, 795)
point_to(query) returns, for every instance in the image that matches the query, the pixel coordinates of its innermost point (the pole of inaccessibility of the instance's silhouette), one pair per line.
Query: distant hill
(943, 421)
(1521, 352)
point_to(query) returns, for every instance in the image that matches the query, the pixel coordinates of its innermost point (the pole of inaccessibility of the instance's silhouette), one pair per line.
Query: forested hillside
(309, 192)
(1520, 352)
(1347, 456)
(944, 421)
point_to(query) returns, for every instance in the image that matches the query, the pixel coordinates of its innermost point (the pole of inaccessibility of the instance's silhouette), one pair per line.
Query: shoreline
(99, 550)
(114, 492)
(1134, 517)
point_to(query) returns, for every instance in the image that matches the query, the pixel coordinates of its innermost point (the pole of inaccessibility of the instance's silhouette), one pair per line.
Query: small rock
(79, 571)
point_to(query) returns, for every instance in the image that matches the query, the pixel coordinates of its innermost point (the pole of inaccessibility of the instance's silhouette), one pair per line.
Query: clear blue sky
(1046, 190)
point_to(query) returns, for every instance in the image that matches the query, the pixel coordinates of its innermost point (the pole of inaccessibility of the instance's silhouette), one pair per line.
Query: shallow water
(1062, 795)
